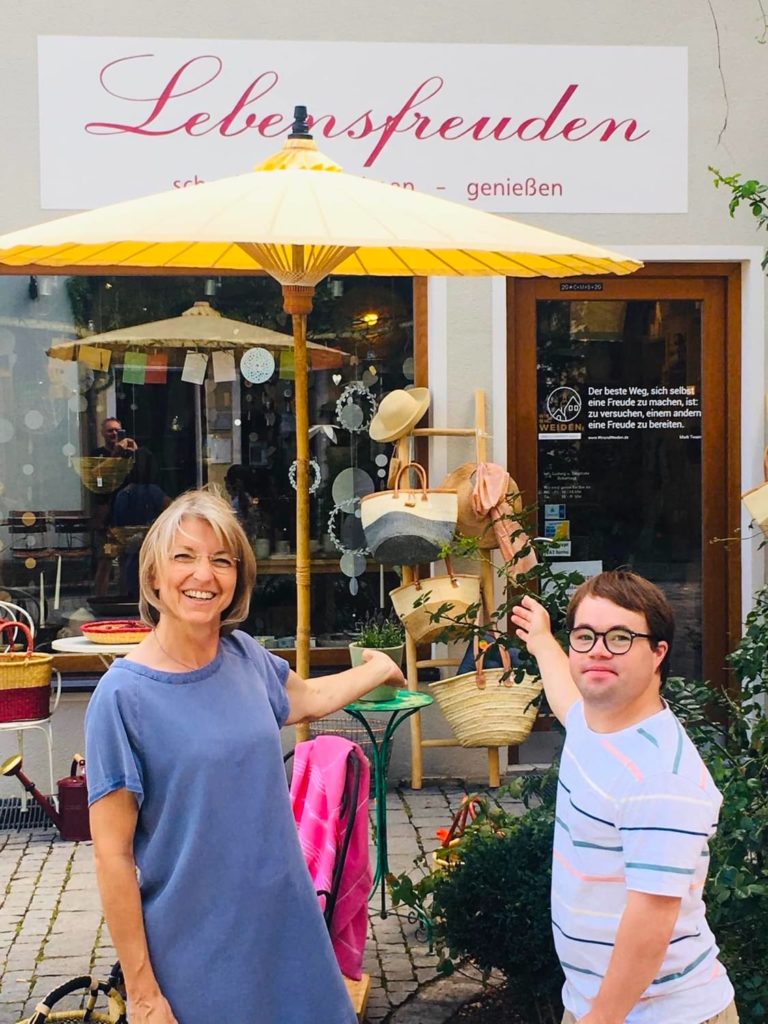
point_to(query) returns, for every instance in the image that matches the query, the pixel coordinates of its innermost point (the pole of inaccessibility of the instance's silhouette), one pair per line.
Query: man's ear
(660, 651)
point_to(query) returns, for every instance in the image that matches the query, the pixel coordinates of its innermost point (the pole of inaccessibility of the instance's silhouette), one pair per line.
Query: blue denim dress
(234, 927)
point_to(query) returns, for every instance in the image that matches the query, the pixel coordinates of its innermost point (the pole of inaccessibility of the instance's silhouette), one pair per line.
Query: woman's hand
(315, 698)
(153, 1009)
(390, 673)
(532, 625)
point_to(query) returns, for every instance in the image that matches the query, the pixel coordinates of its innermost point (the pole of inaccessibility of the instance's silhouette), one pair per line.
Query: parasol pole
(297, 302)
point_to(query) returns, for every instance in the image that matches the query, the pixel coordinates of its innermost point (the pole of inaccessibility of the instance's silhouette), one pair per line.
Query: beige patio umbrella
(199, 327)
(298, 218)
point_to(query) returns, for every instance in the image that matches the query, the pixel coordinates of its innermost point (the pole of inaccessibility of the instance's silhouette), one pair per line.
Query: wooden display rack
(413, 664)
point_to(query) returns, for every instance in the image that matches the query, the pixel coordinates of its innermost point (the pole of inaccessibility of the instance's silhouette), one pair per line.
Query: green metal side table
(404, 704)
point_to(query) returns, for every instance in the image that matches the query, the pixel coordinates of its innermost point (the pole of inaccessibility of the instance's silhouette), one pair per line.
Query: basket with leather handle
(487, 708)
(419, 603)
(409, 525)
(74, 989)
(25, 678)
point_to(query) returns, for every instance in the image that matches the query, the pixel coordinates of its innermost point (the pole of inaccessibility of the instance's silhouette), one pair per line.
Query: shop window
(199, 413)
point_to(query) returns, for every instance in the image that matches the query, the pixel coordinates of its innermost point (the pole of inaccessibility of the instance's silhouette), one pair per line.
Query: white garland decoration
(332, 533)
(314, 465)
(355, 388)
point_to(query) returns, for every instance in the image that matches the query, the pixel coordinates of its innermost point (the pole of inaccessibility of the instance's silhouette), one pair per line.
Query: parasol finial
(299, 153)
(300, 128)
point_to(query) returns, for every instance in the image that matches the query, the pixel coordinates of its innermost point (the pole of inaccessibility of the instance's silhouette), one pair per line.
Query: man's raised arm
(532, 626)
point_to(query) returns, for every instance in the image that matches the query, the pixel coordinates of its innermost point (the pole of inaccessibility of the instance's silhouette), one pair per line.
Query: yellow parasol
(298, 217)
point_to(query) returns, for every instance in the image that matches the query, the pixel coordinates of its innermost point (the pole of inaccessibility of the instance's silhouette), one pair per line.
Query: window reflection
(194, 421)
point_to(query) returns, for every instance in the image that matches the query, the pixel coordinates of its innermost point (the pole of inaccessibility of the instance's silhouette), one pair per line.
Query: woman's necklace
(190, 668)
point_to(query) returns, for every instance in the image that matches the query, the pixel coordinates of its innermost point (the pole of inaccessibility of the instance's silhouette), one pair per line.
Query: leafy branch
(752, 192)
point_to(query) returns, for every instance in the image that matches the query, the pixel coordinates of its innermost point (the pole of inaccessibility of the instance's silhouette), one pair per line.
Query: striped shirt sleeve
(665, 821)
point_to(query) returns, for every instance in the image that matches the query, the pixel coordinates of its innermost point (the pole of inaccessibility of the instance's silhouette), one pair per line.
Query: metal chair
(16, 613)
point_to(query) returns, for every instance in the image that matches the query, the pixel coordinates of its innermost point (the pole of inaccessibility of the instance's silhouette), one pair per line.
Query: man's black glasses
(617, 640)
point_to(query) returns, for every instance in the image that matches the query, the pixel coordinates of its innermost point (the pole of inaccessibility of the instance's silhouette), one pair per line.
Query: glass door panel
(619, 421)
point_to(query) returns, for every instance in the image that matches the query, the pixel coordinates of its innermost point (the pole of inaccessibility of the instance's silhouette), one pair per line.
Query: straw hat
(398, 414)
(469, 523)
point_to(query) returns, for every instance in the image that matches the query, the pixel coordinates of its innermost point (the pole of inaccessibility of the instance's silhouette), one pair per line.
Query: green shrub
(492, 908)
(491, 905)
(736, 754)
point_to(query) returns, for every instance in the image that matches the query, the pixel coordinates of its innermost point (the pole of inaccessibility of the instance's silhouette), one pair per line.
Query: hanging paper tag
(194, 368)
(96, 358)
(287, 365)
(224, 367)
(157, 368)
(134, 367)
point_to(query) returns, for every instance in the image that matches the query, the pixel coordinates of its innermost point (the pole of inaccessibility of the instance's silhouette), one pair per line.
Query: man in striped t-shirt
(636, 807)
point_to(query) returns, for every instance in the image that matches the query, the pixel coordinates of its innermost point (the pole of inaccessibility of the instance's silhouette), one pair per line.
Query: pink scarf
(317, 790)
(489, 498)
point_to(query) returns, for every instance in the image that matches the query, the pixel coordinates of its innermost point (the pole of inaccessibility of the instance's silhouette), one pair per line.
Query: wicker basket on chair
(25, 680)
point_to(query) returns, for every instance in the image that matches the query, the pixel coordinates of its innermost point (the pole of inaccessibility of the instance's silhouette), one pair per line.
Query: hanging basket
(25, 680)
(102, 475)
(485, 709)
(415, 603)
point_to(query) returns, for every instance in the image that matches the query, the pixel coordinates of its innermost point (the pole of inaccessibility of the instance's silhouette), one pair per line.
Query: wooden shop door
(624, 431)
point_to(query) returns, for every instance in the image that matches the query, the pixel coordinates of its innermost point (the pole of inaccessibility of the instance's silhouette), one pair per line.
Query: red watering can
(71, 819)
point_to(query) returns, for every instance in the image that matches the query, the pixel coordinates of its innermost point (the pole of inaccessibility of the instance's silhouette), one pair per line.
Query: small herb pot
(383, 692)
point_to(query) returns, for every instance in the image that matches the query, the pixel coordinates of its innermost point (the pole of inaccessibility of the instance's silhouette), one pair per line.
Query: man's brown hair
(637, 594)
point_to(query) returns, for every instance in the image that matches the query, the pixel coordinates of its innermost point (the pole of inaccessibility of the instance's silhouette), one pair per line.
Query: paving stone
(43, 876)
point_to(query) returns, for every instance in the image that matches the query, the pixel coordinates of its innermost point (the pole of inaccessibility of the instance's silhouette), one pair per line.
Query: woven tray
(115, 631)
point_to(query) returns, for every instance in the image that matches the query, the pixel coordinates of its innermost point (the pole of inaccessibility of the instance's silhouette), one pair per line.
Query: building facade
(630, 410)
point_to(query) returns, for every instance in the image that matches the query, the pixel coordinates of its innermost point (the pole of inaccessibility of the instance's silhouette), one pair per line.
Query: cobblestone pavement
(51, 927)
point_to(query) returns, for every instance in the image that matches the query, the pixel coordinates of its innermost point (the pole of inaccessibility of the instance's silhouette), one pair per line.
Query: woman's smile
(190, 581)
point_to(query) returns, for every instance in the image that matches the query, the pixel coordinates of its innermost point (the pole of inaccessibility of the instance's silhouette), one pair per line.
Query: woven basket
(84, 988)
(25, 680)
(116, 631)
(102, 475)
(499, 714)
(415, 603)
(71, 1017)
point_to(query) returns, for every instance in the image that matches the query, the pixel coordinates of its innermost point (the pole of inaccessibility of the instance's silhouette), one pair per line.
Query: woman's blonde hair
(211, 508)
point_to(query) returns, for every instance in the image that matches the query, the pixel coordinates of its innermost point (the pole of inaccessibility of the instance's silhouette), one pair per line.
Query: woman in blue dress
(205, 891)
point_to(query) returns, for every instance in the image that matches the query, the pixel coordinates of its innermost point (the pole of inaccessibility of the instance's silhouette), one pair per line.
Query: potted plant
(381, 634)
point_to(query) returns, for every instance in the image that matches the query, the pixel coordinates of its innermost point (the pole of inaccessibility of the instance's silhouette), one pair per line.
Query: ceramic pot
(383, 692)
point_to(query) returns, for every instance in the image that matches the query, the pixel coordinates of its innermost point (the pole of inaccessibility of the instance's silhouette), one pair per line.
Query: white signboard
(535, 129)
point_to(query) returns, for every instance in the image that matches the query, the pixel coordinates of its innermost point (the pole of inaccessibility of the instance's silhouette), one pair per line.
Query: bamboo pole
(486, 566)
(412, 672)
(297, 301)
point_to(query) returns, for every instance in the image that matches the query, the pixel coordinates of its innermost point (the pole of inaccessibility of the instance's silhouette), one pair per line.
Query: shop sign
(535, 129)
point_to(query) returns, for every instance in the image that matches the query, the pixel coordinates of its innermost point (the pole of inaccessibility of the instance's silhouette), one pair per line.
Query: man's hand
(532, 625)
(127, 444)
(531, 622)
(391, 675)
